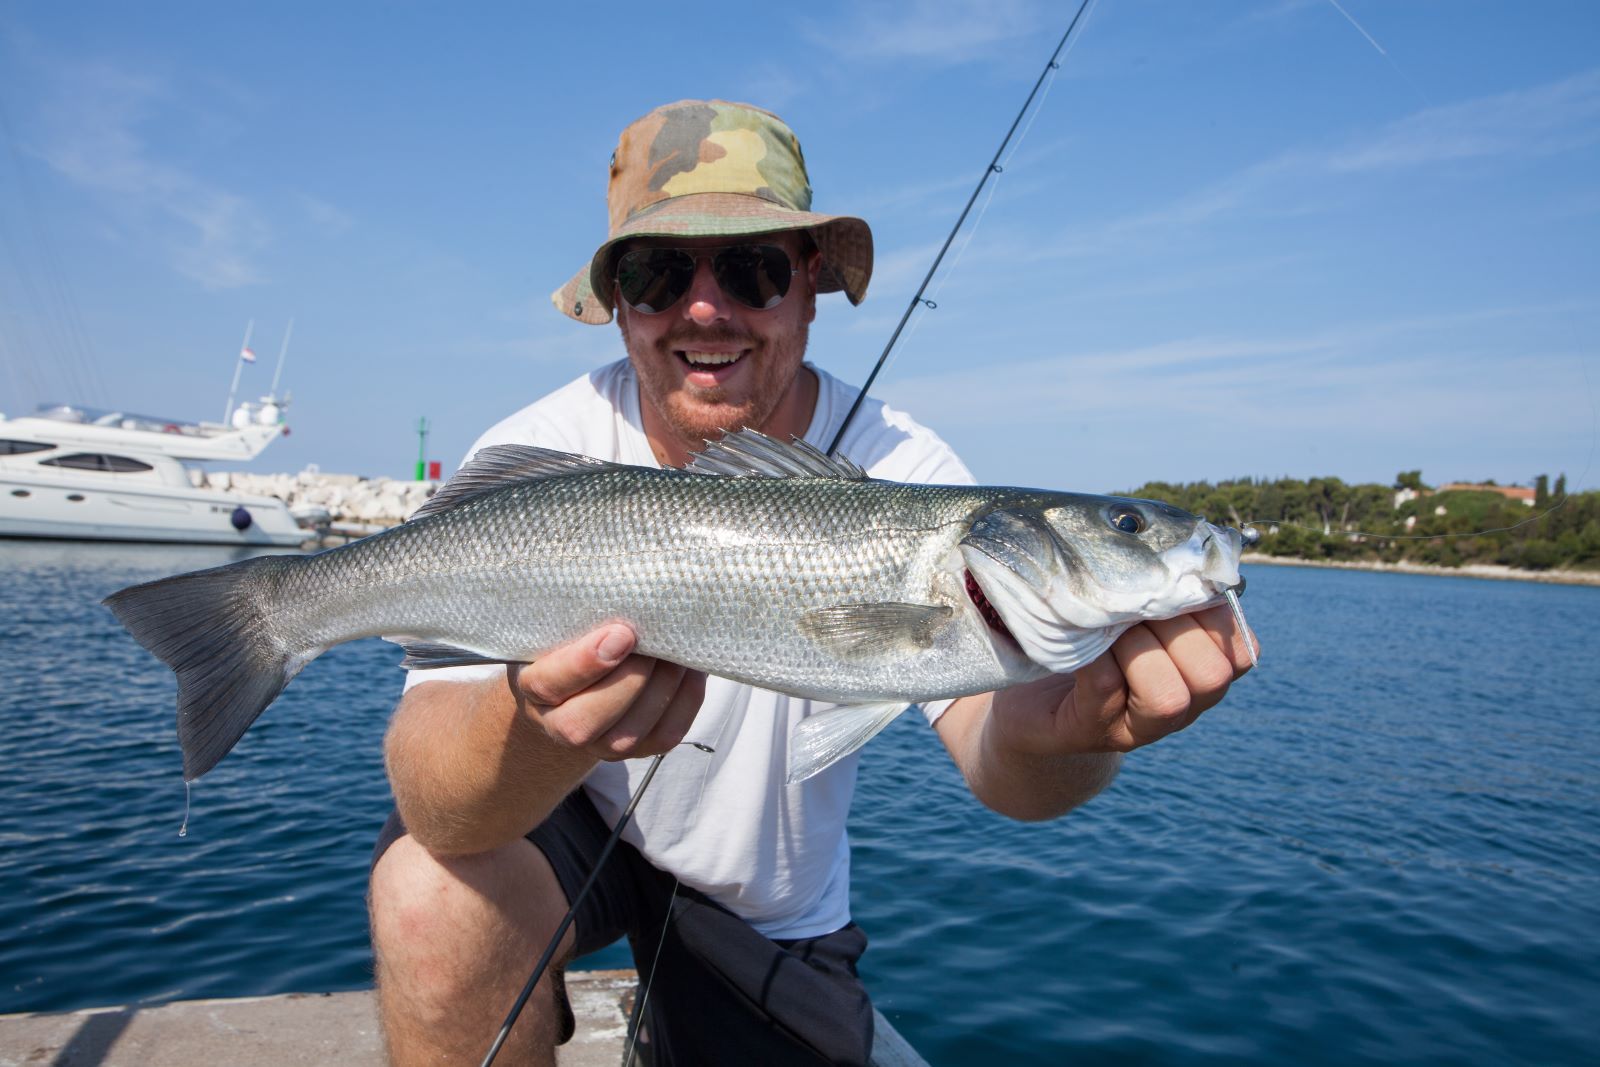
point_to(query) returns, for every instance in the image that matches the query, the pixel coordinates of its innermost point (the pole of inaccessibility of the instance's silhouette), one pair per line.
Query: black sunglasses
(652, 280)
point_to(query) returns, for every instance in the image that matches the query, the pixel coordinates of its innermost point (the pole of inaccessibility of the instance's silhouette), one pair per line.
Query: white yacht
(74, 473)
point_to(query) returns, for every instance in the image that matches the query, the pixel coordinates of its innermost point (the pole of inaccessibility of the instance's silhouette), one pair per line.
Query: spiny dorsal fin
(752, 454)
(498, 466)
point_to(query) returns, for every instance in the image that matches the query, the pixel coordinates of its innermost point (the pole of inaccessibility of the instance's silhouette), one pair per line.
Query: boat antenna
(283, 351)
(633, 802)
(245, 356)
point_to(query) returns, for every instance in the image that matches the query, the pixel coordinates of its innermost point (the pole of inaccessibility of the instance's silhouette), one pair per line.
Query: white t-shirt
(725, 822)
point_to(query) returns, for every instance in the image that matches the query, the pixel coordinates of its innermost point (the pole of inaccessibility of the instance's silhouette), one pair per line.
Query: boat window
(16, 448)
(124, 463)
(97, 461)
(20, 492)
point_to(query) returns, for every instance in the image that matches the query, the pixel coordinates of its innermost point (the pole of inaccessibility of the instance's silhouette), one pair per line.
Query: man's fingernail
(614, 646)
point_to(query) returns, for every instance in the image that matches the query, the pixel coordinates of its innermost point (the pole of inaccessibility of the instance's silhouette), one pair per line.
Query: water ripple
(1383, 846)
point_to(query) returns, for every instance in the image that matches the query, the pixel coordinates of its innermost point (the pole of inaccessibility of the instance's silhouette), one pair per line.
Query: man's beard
(698, 415)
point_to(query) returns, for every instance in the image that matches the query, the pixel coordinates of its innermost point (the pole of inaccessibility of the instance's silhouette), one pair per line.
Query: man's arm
(1037, 751)
(474, 765)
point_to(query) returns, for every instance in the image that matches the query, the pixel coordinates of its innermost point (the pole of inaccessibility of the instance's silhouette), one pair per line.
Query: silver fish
(762, 562)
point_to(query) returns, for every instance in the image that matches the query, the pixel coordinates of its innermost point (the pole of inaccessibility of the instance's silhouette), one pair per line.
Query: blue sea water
(1384, 846)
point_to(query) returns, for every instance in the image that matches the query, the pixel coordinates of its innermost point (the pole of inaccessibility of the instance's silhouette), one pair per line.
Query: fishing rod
(993, 168)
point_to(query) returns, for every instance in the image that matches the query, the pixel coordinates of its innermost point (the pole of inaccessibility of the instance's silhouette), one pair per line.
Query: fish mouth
(988, 611)
(1219, 549)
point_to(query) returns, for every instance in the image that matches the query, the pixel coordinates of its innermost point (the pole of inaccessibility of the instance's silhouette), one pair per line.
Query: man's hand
(1036, 751)
(1157, 679)
(592, 695)
(474, 765)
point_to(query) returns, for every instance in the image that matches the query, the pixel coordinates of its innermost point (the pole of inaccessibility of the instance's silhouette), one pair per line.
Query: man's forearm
(1015, 783)
(470, 770)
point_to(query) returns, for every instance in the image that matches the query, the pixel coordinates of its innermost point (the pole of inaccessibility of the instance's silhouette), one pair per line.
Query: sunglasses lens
(755, 275)
(651, 280)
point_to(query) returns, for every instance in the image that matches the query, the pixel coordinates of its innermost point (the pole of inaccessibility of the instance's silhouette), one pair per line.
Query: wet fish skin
(765, 563)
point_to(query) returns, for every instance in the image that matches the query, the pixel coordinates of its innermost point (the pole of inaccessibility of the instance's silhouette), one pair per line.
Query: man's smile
(706, 368)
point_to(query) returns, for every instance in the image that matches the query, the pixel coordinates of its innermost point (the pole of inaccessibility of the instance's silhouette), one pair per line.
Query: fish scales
(714, 572)
(765, 563)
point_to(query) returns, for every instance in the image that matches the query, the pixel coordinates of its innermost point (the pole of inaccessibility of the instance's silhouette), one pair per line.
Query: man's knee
(439, 924)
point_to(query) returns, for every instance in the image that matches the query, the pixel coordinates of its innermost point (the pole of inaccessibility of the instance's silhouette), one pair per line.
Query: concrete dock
(309, 1029)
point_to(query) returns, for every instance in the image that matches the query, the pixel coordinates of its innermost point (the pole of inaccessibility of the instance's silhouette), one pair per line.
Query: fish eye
(1127, 520)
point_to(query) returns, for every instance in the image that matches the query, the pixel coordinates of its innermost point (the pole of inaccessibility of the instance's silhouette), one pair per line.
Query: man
(731, 886)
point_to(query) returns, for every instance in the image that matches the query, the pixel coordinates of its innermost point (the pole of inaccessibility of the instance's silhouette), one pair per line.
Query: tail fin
(209, 627)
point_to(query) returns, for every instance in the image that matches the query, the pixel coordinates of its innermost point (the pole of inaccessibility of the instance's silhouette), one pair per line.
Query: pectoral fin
(822, 740)
(861, 632)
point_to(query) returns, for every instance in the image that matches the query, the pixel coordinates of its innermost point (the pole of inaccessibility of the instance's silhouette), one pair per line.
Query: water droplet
(183, 831)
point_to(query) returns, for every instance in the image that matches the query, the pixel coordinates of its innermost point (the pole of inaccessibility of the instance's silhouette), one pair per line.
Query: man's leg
(454, 941)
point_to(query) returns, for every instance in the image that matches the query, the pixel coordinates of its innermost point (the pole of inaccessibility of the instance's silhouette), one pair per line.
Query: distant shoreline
(1492, 571)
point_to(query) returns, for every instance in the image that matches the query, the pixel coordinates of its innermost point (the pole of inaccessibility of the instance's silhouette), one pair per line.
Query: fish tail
(211, 628)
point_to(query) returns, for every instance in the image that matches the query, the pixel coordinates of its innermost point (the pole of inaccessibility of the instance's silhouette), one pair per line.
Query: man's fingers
(1229, 638)
(1099, 699)
(558, 676)
(625, 738)
(1158, 696)
(583, 719)
(679, 714)
(1200, 656)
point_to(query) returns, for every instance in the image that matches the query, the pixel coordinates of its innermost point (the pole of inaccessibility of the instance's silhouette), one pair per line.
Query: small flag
(247, 355)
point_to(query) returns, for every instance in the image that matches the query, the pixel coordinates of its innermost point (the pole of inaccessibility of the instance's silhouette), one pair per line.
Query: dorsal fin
(752, 454)
(498, 466)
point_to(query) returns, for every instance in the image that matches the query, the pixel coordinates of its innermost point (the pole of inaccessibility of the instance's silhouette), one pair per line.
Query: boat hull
(94, 513)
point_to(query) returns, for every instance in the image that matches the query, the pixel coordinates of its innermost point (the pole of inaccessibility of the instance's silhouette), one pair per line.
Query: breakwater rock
(346, 504)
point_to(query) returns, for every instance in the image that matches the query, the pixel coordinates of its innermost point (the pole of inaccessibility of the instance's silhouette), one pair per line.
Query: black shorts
(718, 991)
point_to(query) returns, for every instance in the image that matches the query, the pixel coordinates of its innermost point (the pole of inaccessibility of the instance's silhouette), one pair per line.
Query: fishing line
(992, 169)
(566, 920)
(977, 223)
(917, 299)
(636, 1017)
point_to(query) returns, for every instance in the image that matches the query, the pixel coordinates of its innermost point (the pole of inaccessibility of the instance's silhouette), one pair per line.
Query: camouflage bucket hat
(708, 168)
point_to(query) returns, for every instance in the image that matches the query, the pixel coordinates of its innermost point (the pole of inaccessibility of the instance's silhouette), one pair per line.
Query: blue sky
(1255, 238)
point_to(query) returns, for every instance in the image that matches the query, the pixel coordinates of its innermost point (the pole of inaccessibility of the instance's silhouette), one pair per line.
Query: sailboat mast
(238, 367)
(282, 352)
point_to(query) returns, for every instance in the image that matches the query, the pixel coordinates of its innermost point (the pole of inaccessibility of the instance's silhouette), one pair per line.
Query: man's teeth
(713, 359)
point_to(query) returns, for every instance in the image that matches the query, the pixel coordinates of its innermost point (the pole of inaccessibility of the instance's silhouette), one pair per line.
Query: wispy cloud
(325, 215)
(1358, 363)
(92, 136)
(1538, 121)
(1543, 120)
(940, 31)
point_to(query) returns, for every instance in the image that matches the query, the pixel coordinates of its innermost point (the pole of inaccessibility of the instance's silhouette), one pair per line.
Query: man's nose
(706, 302)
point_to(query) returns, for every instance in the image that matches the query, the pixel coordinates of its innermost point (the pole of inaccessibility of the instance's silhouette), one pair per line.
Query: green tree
(1541, 491)
(1409, 480)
